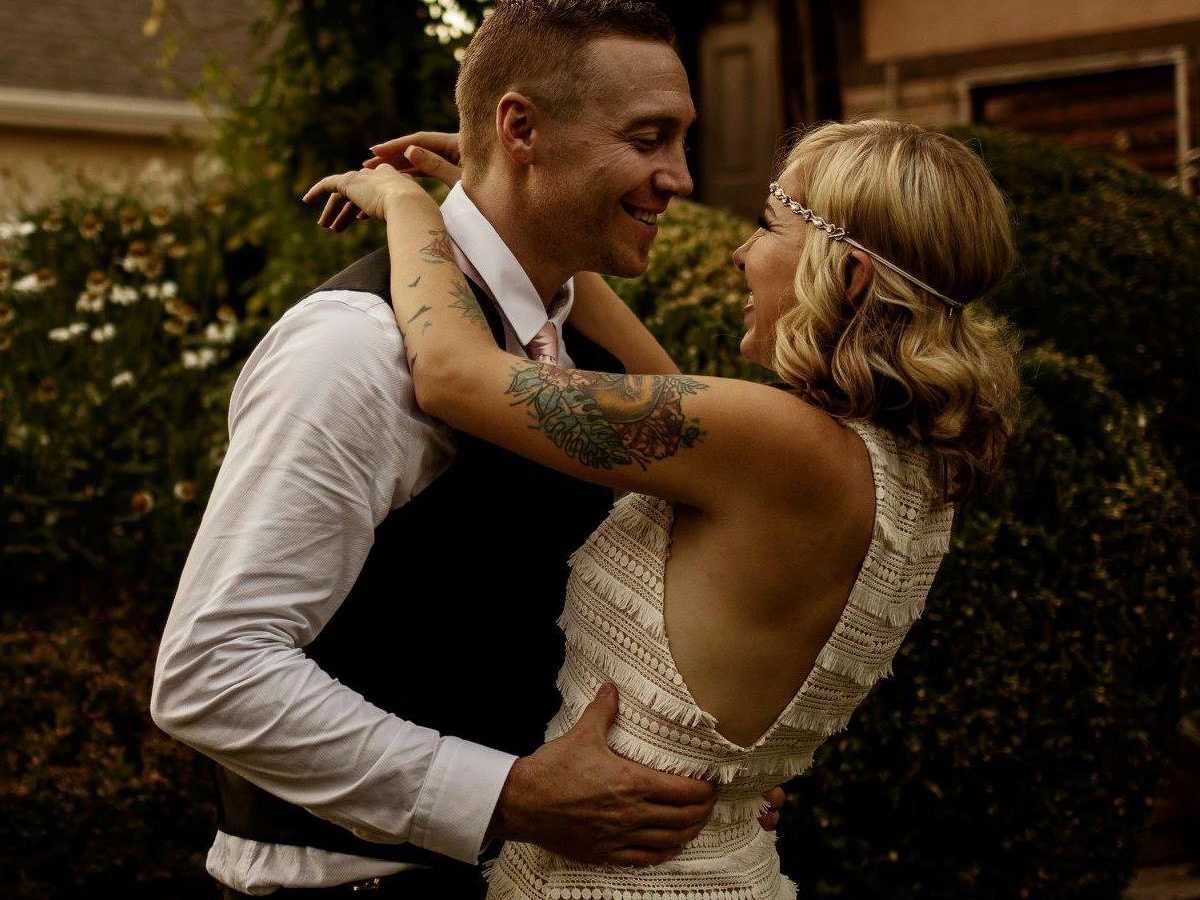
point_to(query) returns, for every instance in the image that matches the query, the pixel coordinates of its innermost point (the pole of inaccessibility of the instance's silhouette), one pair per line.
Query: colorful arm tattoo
(605, 420)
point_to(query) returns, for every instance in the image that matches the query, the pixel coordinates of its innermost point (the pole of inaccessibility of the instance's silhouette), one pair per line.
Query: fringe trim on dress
(631, 682)
(623, 597)
(635, 515)
(885, 607)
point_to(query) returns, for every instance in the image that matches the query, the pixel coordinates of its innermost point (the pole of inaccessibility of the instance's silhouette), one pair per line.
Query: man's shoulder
(341, 327)
(345, 341)
(344, 310)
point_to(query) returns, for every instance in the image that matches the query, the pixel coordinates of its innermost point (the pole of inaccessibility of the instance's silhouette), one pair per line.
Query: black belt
(412, 884)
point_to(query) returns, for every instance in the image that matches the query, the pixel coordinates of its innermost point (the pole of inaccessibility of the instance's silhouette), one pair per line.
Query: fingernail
(412, 153)
(374, 147)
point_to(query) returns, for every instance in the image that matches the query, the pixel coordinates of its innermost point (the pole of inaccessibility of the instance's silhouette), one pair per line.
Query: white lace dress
(613, 622)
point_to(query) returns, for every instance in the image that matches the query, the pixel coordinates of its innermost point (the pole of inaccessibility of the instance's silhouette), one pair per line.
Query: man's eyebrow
(660, 121)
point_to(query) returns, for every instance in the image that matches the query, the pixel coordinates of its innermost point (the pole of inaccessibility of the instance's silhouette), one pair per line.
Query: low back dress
(614, 627)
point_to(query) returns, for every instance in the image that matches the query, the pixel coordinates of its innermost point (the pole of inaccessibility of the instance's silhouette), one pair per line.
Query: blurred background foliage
(1017, 749)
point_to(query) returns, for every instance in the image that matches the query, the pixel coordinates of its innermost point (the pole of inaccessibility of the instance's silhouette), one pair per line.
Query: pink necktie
(544, 346)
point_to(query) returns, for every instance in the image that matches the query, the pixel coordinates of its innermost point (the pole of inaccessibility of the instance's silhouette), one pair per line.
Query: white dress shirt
(325, 440)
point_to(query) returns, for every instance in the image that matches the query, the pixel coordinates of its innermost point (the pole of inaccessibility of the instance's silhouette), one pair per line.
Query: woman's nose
(739, 257)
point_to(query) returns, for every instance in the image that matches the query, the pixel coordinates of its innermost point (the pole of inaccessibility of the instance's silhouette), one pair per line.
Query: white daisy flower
(123, 379)
(60, 334)
(29, 284)
(220, 333)
(104, 333)
(123, 295)
(87, 304)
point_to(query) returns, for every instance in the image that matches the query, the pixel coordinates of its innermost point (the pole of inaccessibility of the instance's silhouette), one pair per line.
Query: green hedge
(1109, 266)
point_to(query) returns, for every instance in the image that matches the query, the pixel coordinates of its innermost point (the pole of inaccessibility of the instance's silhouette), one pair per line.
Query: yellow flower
(97, 282)
(5, 274)
(138, 249)
(142, 502)
(46, 278)
(174, 326)
(6, 314)
(215, 205)
(177, 307)
(185, 491)
(166, 239)
(153, 266)
(130, 220)
(53, 222)
(226, 314)
(177, 251)
(91, 226)
(160, 216)
(46, 391)
(5, 343)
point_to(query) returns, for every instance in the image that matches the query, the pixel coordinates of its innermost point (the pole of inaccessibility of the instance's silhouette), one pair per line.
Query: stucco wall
(37, 165)
(902, 29)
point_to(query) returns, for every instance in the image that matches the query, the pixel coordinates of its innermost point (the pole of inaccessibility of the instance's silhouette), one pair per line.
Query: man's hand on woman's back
(576, 797)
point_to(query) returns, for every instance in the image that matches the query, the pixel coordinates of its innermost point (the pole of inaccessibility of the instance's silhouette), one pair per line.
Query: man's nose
(675, 179)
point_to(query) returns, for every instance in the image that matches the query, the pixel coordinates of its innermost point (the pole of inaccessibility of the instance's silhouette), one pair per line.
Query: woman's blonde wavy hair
(899, 356)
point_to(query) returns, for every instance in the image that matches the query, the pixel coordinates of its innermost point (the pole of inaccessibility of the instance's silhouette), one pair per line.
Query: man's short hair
(535, 47)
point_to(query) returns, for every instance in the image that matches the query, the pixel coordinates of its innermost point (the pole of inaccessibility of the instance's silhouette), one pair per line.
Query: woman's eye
(763, 223)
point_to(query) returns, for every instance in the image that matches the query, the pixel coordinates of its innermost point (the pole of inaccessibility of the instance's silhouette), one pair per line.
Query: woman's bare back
(751, 599)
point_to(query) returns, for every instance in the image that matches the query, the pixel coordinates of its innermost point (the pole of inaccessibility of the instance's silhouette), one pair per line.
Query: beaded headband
(837, 233)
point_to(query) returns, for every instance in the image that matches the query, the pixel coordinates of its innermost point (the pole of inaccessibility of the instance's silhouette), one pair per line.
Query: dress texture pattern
(614, 626)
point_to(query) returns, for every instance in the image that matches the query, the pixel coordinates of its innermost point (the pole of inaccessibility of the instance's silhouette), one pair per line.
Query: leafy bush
(1110, 266)
(95, 797)
(116, 330)
(1017, 749)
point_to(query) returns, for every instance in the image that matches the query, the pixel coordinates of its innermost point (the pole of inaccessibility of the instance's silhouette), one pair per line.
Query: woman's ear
(860, 273)
(516, 121)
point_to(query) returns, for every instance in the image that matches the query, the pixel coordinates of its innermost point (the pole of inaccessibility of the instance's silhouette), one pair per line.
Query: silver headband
(837, 233)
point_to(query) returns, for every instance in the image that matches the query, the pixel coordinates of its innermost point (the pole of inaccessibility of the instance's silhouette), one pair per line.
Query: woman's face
(768, 260)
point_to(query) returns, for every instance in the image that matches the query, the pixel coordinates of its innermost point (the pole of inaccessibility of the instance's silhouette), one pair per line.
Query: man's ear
(516, 126)
(860, 272)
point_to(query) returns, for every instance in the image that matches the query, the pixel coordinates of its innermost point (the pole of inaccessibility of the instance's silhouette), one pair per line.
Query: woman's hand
(372, 191)
(432, 154)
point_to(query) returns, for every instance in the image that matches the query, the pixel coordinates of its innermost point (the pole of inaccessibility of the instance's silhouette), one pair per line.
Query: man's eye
(648, 141)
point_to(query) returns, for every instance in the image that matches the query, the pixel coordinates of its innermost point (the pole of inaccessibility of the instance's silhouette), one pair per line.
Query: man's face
(604, 176)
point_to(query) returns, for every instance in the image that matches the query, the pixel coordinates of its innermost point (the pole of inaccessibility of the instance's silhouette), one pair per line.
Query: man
(378, 748)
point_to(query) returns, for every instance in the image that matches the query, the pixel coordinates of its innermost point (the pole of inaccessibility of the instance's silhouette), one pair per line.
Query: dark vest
(451, 623)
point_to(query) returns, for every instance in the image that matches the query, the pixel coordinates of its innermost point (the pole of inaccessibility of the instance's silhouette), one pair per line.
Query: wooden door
(740, 109)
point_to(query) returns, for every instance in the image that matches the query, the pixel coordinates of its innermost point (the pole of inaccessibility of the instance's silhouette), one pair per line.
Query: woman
(776, 545)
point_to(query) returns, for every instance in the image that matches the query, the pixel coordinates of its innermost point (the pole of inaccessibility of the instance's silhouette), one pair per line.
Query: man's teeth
(646, 218)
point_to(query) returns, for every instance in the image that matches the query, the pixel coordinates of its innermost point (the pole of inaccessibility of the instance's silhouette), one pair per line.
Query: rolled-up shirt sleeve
(325, 439)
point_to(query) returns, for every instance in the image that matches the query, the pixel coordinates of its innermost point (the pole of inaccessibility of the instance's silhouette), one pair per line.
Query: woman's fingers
(328, 184)
(345, 217)
(332, 206)
(444, 144)
(423, 162)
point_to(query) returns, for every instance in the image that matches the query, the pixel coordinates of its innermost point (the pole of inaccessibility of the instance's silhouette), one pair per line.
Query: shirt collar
(502, 275)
